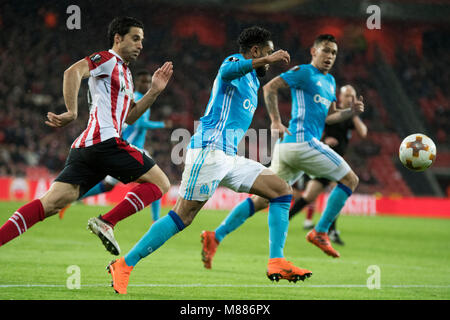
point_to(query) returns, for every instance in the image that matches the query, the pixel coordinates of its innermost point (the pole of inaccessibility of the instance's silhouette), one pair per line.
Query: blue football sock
(161, 231)
(336, 202)
(278, 220)
(156, 209)
(97, 189)
(236, 218)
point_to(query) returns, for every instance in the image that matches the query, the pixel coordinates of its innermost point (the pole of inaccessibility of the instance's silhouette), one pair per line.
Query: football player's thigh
(252, 177)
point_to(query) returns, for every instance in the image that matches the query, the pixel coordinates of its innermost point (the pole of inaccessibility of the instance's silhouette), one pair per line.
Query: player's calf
(23, 219)
(58, 196)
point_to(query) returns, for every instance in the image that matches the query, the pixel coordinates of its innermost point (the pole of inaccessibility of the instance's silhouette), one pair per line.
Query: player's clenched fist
(357, 105)
(280, 55)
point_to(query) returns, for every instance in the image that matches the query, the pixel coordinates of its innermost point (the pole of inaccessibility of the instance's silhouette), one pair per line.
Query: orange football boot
(120, 274)
(63, 210)
(280, 268)
(321, 240)
(209, 248)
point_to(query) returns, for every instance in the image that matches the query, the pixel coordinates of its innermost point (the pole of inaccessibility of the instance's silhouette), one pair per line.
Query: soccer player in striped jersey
(211, 160)
(313, 104)
(99, 150)
(135, 135)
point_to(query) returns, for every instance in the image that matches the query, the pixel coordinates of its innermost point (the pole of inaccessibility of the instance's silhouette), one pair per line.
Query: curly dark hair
(253, 36)
(122, 25)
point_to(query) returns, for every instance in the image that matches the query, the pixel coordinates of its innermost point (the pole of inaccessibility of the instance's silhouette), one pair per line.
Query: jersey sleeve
(334, 90)
(297, 77)
(149, 124)
(234, 67)
(100, 63)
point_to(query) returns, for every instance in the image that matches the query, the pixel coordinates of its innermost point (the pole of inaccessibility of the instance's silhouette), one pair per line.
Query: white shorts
(291, 160)
(206, 169)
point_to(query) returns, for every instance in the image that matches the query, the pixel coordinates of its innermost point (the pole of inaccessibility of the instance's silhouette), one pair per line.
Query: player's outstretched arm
(335, 116)
(71, 85)
(271, 99)
(159, 82)
(277, 56)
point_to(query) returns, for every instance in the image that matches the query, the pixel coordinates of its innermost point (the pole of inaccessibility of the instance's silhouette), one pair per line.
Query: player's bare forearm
(71, 85)
(271, 100)
(360, 127)
(271, 97)
(339, 116)
(159, 82)
(280, 55)
(138, 109)
(335, 116)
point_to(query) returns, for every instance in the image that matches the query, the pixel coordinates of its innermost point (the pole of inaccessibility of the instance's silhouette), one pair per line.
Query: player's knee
(308, 198)
(187, 217)
(259, 203)
(164, 185)
(284, 189)
(52, 203)
(351, 180)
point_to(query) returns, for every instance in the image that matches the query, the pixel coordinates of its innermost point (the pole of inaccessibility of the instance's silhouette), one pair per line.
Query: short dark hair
(143, 72)
(253, 36)
(122, 25)
(324, 37)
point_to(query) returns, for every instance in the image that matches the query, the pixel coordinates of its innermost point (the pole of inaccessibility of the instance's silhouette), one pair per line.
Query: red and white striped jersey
(111, 92)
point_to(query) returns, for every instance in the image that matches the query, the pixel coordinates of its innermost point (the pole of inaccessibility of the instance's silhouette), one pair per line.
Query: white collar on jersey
(116, 54)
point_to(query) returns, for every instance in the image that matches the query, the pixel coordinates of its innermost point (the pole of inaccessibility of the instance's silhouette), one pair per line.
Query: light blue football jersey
(229, 112)
(135, 133)
(312, 93)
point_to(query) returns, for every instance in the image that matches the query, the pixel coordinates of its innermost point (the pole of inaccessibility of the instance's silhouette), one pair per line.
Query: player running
(313, 104)
(135, 135)
(211, 161)
(337, 137)
(99, 150)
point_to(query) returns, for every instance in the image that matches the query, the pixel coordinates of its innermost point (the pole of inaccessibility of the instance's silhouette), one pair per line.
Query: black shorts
(115, 157)
(323, 181)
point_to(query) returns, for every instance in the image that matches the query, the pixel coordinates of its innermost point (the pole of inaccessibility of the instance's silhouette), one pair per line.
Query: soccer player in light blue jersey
(135, 134)
(313, 93)
(211, 160)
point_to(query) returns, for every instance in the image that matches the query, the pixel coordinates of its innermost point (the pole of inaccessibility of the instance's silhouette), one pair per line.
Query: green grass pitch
(413, 256)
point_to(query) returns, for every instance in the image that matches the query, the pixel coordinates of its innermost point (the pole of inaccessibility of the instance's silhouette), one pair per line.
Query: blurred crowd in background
(36, 48)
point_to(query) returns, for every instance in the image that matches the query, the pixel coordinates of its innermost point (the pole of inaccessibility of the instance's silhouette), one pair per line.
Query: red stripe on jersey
(76, 141)
(86, 132)
(115, 87)
(96, 137)
(97, 59)
(125, 101)
(131, 151)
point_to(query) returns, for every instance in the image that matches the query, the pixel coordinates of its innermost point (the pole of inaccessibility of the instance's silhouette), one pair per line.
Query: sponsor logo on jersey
(319, 99)
(248, 106)
(233, 59)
